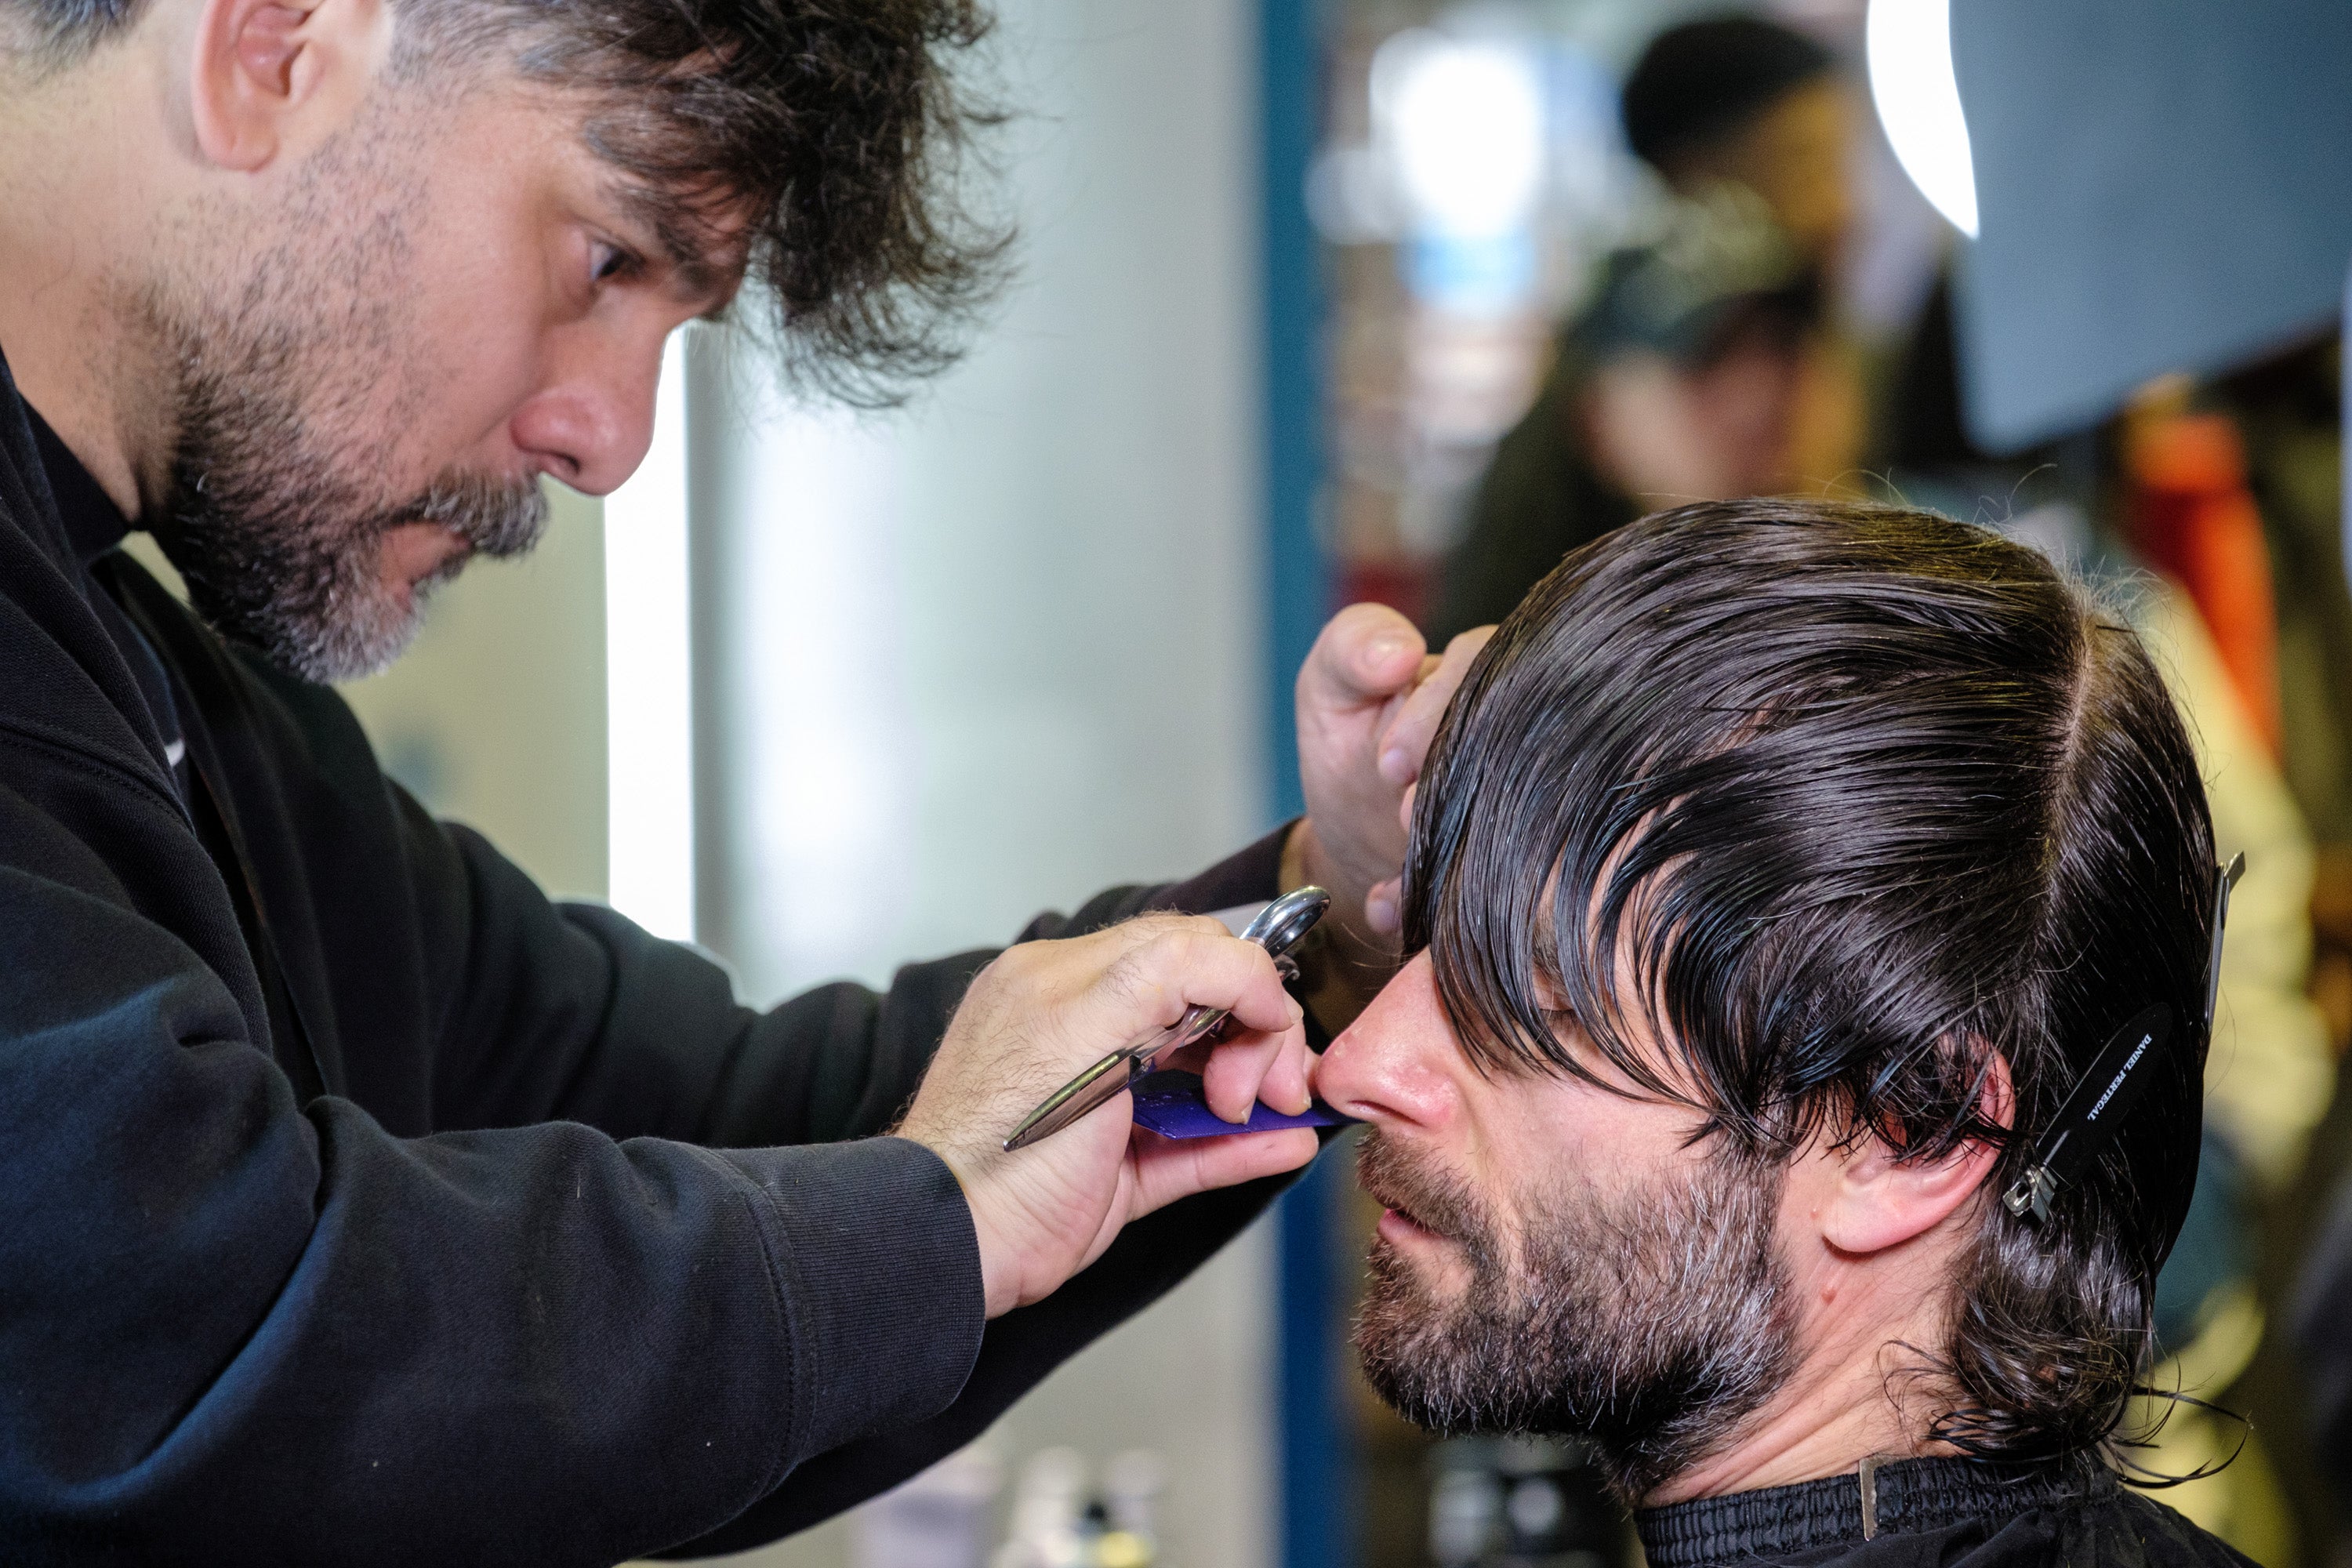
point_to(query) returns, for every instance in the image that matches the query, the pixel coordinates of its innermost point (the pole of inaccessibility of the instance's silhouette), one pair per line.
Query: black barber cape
(358, 1204)
(1936, 1513)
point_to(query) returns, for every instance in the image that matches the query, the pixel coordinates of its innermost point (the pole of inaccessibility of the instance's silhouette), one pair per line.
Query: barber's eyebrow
(681, 239)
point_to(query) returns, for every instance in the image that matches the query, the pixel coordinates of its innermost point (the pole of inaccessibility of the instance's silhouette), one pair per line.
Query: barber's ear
(272, 78)
(1880, 1200)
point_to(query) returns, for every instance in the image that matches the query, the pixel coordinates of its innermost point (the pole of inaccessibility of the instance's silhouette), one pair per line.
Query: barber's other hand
(1370, 699)
(1043, 1010)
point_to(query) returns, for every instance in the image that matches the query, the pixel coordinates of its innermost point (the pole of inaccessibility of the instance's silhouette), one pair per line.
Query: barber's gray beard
(288, 393)
(278, 534)
(1653, 1325)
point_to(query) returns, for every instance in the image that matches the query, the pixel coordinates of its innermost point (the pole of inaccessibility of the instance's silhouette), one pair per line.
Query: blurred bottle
(943, 1518)
(1047, 1513)
(1059, 1521)
(1524, 1503)
(1133, 1483)
(1465, 1510)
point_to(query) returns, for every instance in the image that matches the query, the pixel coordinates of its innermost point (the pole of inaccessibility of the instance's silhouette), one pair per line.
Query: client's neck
(1858, 1390)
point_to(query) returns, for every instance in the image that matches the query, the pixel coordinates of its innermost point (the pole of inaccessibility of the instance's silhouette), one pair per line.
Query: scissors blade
(1102, 1082)
(1094, 1088)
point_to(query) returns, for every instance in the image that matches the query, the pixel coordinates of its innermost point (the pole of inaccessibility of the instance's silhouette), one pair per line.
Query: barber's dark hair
(1860, 802)
(842, 128)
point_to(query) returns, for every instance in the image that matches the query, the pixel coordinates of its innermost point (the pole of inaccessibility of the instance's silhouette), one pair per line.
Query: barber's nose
(592, 424)
(1396, 1062)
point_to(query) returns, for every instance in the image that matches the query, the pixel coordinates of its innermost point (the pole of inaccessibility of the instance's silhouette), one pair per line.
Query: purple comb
(1170, 1102)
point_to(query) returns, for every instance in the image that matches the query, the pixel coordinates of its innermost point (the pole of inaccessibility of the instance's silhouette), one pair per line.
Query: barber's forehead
(610, 131)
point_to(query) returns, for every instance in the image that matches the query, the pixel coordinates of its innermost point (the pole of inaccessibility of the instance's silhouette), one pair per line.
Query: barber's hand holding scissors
(1042, 1011)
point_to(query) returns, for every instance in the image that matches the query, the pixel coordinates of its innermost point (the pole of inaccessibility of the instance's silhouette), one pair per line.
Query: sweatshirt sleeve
(647, 1261)
(572, 1011)
(236, 1326)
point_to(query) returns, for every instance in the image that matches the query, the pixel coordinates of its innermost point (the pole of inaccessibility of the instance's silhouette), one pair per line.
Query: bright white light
(1464, 122)
(648, 688)
(831, 752)
(1918, 98)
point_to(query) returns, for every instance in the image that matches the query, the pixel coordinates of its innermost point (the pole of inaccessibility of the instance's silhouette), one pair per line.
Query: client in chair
(1781, 868)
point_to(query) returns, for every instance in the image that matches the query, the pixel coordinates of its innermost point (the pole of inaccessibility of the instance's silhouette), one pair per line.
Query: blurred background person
(1705, 366)
(2287, 412)
(1746, 102)
(1680, 382)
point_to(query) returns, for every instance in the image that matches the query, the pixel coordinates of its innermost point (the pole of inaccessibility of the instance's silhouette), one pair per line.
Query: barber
(361, 1204)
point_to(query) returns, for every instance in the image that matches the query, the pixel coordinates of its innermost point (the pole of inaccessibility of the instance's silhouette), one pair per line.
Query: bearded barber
(359, 1203)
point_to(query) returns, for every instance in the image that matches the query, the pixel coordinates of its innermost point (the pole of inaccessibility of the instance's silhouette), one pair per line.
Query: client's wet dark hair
(1860, 799)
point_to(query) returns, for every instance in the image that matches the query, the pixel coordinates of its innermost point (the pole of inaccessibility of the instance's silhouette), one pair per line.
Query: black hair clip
(2104, 1094)
(2225, 878)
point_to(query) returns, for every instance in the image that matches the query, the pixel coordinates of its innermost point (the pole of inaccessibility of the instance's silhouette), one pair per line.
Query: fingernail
(1396, 766)
(1297, 1013)
(1380, 914)
(1384, 649)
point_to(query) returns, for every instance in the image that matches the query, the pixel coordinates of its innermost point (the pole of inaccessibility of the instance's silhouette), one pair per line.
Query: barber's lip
(411, 566)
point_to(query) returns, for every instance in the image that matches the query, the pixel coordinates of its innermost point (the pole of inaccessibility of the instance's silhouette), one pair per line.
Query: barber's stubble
(290, 400)
(1652, 1324)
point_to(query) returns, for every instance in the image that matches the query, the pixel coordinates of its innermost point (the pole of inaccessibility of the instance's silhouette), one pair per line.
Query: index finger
(1200, 964)
(1406, 745)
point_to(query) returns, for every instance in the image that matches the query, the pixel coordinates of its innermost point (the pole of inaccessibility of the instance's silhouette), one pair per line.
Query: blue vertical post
(1298, 579)
(1318, 1491)
(1316, 1501)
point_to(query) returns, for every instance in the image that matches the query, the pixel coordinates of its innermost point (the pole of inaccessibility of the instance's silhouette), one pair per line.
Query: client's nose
(1392, 1064)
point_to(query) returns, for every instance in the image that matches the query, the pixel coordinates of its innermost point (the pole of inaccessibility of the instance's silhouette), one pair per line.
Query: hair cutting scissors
(1277, 928)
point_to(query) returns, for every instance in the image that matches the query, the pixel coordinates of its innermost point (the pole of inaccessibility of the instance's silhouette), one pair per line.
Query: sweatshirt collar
(1909, 1497)
(93, 524)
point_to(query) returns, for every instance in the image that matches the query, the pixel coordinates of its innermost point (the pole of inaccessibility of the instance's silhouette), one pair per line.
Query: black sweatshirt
(362, 1205)
(1936, 1513)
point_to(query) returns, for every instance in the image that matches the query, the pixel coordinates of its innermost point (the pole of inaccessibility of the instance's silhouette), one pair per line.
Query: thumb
(1366, 654)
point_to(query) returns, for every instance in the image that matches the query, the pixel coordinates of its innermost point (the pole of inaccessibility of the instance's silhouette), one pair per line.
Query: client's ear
(1881, 1200)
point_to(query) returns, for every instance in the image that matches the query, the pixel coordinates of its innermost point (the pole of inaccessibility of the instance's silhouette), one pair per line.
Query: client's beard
(1652, 1324)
